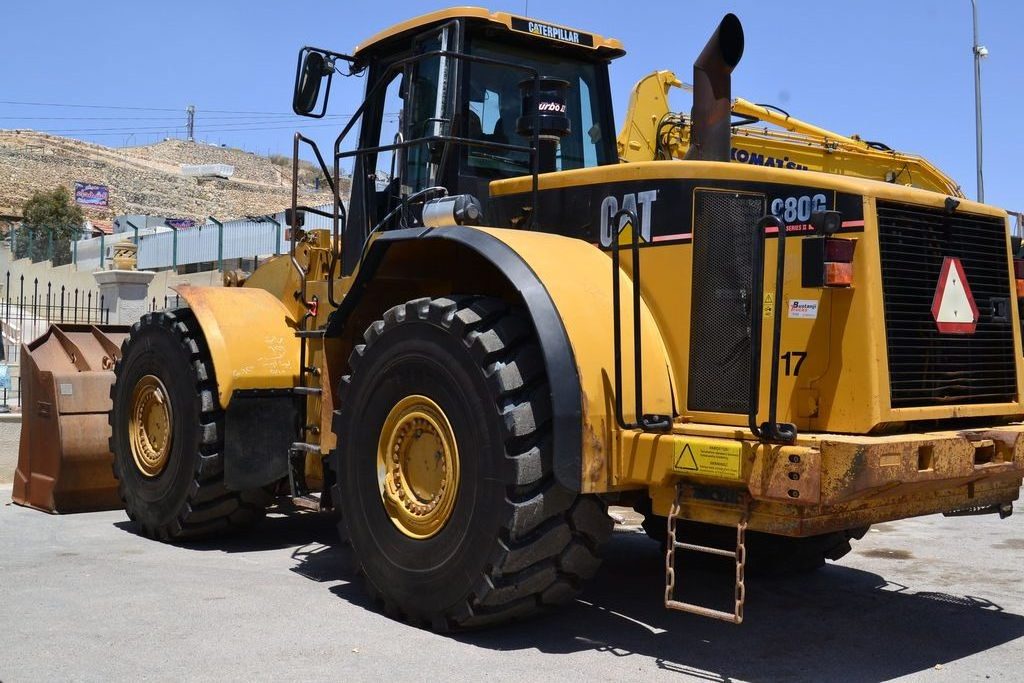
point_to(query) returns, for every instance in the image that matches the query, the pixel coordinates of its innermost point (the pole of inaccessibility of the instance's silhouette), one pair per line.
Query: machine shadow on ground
(836, 622)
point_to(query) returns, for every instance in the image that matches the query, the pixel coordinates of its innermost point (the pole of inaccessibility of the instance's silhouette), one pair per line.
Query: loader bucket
(64, 459)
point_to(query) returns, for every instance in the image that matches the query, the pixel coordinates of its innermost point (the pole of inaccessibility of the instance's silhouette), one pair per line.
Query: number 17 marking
(794, 359)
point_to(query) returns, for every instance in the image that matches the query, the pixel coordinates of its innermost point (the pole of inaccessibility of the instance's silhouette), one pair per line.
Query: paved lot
(83, 597)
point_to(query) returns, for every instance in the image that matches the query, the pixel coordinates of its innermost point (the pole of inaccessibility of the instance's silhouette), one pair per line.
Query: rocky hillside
(148, 179)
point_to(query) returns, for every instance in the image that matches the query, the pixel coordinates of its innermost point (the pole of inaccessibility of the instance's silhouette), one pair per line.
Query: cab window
(494, 103)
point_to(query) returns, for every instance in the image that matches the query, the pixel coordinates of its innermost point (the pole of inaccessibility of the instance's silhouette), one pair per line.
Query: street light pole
(980, 51)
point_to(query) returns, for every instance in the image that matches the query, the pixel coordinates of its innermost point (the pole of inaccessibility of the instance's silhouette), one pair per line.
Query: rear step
(740, 555)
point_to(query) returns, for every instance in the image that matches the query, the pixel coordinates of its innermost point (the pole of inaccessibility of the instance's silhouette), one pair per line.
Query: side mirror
(314, 67)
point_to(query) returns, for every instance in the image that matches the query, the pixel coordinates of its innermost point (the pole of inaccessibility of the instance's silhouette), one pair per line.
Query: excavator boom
(652, 131)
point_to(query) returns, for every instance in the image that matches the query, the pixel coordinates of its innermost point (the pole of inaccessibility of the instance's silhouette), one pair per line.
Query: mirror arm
(354, 66)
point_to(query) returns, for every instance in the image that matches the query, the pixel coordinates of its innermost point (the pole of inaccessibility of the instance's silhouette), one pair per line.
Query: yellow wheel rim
(150, 425)
(418, 467)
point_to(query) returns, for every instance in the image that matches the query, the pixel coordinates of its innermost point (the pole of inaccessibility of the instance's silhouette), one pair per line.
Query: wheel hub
(418, 467)
(150, 426)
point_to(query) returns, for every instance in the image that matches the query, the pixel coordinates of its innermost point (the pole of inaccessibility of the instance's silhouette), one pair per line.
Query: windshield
(495, 102)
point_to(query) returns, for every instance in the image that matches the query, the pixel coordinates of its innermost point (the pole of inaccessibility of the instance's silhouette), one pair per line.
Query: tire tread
(209, 507)
(550, 539)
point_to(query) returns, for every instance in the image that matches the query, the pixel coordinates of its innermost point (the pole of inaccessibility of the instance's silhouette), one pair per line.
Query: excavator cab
(456, 103)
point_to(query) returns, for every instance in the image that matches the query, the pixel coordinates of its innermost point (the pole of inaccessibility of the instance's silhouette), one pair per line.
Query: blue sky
(897, 71)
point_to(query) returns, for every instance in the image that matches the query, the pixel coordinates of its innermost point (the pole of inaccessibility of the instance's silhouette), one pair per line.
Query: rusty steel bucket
(64, 458)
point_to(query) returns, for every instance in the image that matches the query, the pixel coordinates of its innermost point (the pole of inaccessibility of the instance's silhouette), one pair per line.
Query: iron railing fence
(169, 302)
(27, 308)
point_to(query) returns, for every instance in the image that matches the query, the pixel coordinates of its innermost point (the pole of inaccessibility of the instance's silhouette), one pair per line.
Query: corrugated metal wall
(200, 244)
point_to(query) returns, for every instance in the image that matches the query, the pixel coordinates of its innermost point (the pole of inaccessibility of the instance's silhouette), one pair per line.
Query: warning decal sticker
(708, 458)
(953, 306)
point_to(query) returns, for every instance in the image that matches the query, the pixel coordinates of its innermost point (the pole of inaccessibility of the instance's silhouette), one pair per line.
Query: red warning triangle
(953, 306)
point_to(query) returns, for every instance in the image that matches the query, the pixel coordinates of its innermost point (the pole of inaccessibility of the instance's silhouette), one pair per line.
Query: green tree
(51, 221)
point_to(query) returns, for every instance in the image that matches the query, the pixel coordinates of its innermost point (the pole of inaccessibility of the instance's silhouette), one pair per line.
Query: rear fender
(565, 285)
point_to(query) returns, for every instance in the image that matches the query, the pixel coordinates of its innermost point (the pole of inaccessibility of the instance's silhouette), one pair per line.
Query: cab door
(414, 106)
(431, 107)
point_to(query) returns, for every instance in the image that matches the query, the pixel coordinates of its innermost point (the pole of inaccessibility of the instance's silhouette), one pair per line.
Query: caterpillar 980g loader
(517, 329)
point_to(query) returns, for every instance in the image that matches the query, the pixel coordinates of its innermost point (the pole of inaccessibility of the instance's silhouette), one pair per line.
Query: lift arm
(652, 131)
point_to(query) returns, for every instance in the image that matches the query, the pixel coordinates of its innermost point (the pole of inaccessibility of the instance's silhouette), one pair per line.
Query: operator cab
(456, 99)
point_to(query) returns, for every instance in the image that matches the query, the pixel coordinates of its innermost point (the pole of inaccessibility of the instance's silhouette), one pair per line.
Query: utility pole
(190, 125)
(980, 52)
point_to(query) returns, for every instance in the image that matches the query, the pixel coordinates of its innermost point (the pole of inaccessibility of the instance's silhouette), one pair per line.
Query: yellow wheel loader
(508, 329)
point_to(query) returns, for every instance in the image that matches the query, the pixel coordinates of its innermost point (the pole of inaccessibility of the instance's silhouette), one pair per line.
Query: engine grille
(720, 319)
(927, 368)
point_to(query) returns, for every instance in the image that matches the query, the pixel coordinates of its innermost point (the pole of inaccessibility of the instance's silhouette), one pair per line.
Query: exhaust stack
(711, 135)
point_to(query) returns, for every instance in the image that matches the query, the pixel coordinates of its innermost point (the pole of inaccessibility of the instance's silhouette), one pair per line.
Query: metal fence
(27, 308)
(169, 302)
(56, 245)
(211, 243)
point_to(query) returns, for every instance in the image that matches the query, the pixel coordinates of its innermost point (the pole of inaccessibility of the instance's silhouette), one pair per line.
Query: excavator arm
(651, 131)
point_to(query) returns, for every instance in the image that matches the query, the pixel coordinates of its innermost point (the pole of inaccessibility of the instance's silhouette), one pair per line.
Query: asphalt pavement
(82, 597)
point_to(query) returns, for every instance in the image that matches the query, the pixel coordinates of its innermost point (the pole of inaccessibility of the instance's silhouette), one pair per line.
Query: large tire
(185, 496)
(515, 542)
(767, 554)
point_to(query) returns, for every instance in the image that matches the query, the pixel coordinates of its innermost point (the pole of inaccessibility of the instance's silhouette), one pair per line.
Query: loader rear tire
(514, 541)
(174, 489)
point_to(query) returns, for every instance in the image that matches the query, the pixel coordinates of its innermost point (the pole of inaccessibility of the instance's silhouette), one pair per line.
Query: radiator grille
(927, 368)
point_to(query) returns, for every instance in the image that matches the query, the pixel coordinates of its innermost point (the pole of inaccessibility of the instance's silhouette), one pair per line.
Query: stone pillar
(125, 293)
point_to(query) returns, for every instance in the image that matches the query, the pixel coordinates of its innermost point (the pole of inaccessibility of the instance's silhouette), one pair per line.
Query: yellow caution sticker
(769, 306)
(707, 458)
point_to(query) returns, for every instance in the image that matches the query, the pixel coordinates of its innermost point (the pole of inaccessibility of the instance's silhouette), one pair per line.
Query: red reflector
(838, 250)
(838, 274)
(1018, 268)
(1020, 288)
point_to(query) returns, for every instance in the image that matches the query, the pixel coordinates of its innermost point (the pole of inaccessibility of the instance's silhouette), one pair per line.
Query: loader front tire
(167, 434)
(444, 469)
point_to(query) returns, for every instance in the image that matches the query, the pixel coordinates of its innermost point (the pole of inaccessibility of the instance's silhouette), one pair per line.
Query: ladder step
(309, 334)
(307, 391)
(305, 447)
(739, 556)
(306, 502)
(705, 549)
(702, 611)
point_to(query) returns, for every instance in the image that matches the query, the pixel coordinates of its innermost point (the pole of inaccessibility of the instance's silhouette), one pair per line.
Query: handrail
(770, 431)
(397, 66)
(643, 421)
(339, 214)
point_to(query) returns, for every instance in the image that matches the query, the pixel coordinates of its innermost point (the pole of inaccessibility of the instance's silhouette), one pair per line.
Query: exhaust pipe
(711, 115)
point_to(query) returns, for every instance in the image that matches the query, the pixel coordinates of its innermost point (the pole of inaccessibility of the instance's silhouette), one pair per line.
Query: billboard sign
(87, 194)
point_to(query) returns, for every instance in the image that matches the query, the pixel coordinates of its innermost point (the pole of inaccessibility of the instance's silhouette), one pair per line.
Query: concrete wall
(10, 434)
(71, 278)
